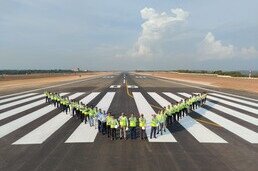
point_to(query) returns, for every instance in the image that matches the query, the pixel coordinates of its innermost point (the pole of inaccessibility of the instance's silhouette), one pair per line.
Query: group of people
(108, 124)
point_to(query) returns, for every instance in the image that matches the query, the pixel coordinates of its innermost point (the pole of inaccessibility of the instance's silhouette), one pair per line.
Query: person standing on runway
(154, 125)
(113, 126)
(133, 121)
(123, 126)
(108, 120)
(142, 124)
(103, 123)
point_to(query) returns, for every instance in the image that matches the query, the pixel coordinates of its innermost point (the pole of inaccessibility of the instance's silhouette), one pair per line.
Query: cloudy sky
(124, 35)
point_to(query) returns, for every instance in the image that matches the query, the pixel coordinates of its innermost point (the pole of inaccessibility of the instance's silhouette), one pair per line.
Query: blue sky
(123, 35)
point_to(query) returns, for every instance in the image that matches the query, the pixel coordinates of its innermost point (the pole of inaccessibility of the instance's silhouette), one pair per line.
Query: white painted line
(200, 132)
(20, 101)
(160, 100)
(186, 95)
(132, 86)
(144, 108)
(197, 130)
(23, 108)
(234, 113)
(84, 133)
(18, 123)
(17, 97)
(74, 96)
(105, 102)
(231, 112)
(20, 109)
(40, 134)
(236, 105)
(235, 99)
(115, 86)
(89, 98)
(173, 96)
(235, 128)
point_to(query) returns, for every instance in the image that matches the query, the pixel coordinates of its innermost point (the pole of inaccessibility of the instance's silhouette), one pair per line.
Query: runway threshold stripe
(40, 134)
(43, 132)
(105, 102)
(235, 128)
(20, 101)
(18, 123)
(160, 100)
(84, 133)
(235, 99)
(173, 96)
(17, 110)
(17, 97)
(234, 95)
(74, 96)
(144, 108)
(236, 105)
(231, 112)
(197, 130)
(89, 98)
(186, 95)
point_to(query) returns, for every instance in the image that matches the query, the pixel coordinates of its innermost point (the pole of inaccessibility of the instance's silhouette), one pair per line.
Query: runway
(221, 135)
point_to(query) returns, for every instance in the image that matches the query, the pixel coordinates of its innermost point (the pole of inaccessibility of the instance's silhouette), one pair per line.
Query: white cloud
(155, 28)
(250, 52)
(211, 48)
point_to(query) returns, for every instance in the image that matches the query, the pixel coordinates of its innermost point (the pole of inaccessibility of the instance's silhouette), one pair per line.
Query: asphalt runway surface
(221, 135)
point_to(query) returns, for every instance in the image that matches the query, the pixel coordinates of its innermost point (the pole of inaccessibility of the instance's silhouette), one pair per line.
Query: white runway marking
(83, 134)
(89, 98)
(86, 134)
(18, 123)
(234, 113)
(40, 134)
(105, 102)
(173, 96)
(144, 108)
(200, 132)
(236, 105)
(22, 108)
(20, 101)
(74, 96)
(197, 130)
(235, 128)
(235, 99)
(231, 112)
(17, 97)
(160, 100)
(115, 86)
(186, 95)
(132, 86)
